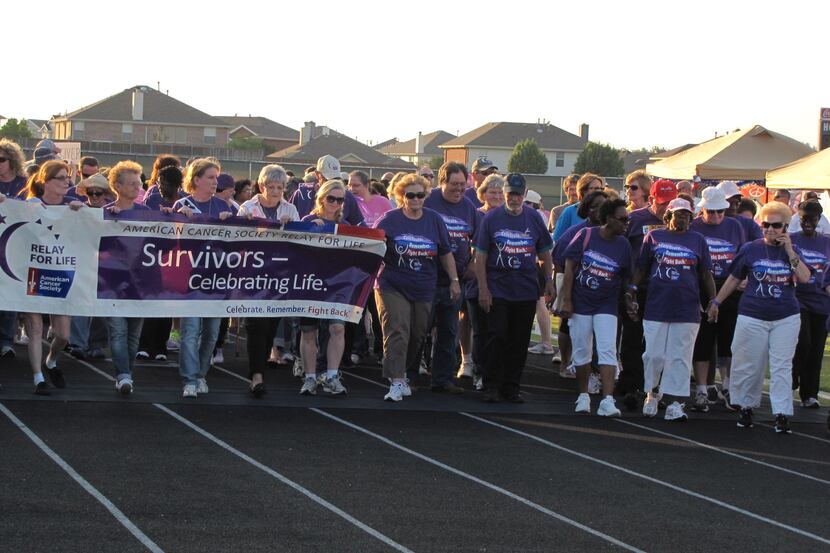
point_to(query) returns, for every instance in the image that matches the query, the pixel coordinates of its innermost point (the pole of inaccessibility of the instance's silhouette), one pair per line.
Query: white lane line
(803, 435)
(84, 363)
(725, 452)
(479, 481)
(89, 488)
(653, 480)
(285, 480)
(231, 373)
(369, 380)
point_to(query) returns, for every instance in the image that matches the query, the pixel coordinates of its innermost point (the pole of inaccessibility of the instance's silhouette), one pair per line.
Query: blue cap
(224, 181)
(515, 182)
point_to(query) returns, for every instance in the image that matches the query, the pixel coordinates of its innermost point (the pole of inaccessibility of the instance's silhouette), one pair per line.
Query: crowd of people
(658, 292)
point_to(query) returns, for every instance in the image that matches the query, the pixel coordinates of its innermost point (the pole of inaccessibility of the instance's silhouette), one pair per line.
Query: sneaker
(782, 424)
(651, 405)
(299, 370)
(333, 386)
(406, 391)
(745, 418)
(712, 395)
(811, 403)
(286, 358)
(675, 412)
(568, 372)
(189, 390)
(515, 398)
(633, 400)
(557, 357)
(478, 383)
(594, 383)
(466, 370)
(201, 386)
(355, 358)
(42, 389)
(583, 404)
(7, 352)
(142, 355)
(174, 340)
(701, 403)
(724, 397)
(125, 386)
(541, 349)
(21, 340)
(161, 357)
(97, 353)
(218, 357)
(395, 392)
(422, 368)
(309, 386)
(77, 353)
(607, 408)
(56, 376)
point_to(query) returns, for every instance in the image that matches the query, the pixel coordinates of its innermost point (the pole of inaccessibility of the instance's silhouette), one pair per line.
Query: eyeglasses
(94, 194)
(413, 195)
(716, 211)
(631, 187)
(767, 224)
(63, 178)
(428, 176)
(335, 199)
(2, 159)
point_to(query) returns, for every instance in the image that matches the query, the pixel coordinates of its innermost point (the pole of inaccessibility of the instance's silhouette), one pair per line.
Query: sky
(640, 73)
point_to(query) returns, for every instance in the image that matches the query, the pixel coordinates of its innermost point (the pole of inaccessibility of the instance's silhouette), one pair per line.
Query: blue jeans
(124, 335)
(8, 327)
(88, 333)
(445, 319)
(198, 336)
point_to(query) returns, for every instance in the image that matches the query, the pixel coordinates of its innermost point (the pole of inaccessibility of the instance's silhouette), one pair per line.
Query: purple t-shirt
(460, 219)
(471, 284)
(600, 267)
(109, 214)
(472, 195)
(13, 187)
(770, 290)
(212, 208)
(724, 241)
(751, 228)
(815, 251)
(512, 244)
(156, 201)
(413, 248)
(562, 244)
(641, 222)
(672, 260)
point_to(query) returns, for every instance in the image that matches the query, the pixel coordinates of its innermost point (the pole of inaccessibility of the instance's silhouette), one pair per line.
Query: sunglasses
(94, 194)
(335, 200)
(63, 178)
(2, 159)
(428, 176)
(631, 187)
(716, 211)
(413, 195)
(767, 224)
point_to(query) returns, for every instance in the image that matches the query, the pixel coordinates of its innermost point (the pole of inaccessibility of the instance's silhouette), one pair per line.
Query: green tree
(436, 162)
(15, 130)
(527, 158)
(601, 159)
(246, 143)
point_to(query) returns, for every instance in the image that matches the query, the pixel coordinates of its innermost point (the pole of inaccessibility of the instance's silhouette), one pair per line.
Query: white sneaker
(8, 352)
(466, 370)
(650, 405)
(583, 404)
(407, 391)
(541, 349)
(422, 368)
(557, 356)
(811, 403)
(478, 382)
(309, 386)
(594, 383)
(142, 355)
(607, 408)
(568, 372)
(355, 358)
(161, 357)
(333, 386)
(21, 340)
(395, 392)
(50, 363)
(218, 356)
(299, 370)
(189, 390)
(675, 412)
(201, 386)
(125, 386)
(286, 358)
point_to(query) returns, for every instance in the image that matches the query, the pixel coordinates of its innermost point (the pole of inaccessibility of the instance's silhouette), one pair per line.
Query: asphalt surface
(87, 470)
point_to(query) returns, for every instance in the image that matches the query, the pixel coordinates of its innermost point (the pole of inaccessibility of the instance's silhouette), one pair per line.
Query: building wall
(458, 155)
(500, 157)
(104, 131)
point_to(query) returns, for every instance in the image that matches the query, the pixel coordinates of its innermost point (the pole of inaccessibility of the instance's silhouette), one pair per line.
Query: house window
(560, 159)
(210, 135)
(78, 130)
(127, 132)
(178, 135)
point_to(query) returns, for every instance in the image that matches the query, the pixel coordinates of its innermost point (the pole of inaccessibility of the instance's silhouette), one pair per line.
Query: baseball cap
(329, 166)
(388, 176)
(729, 188)
(515, 182)
(224, 181)
(48, 143)
(533, 197)
(43, 154)
(679, 204)
(482, 164)
(663, 191)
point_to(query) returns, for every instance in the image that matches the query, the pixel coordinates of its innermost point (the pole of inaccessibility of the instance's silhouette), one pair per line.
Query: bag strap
(586, 239)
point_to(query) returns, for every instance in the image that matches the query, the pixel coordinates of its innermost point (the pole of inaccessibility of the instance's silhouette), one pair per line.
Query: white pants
(667, 361)
(756, 344)
(584, 328)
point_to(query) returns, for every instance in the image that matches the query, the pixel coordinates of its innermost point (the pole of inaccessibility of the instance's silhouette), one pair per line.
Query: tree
(527, 158)
(15, 130)
(246, 143)
(600, 159)
(436, 162)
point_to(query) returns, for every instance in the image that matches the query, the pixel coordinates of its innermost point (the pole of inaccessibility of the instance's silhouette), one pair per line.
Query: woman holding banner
(198, 334)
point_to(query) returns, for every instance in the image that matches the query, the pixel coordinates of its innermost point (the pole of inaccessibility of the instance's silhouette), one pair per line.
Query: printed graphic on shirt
(816, 261)
(411, 247)
(513, 245)
(722, 254)
(772, 276)
(459, 230)
(649, 228)
(594, 268)
(671, 260)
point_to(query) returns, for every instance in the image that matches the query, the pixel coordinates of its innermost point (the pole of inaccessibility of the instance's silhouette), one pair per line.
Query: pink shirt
(373, 208)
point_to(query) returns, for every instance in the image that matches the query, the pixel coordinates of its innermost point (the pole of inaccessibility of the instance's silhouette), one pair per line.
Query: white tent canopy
(810, 172)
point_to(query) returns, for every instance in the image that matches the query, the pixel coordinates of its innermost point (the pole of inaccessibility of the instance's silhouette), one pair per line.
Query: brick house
(274, 135)
(420, 149)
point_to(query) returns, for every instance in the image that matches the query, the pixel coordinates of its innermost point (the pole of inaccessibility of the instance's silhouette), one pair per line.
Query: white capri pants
(667, 361)
(757, 343)
(584, 328)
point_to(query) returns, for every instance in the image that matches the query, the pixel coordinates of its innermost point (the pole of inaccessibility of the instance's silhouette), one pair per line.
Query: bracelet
(454, 279)
(715, 302)
(632, 287)
(548, 278)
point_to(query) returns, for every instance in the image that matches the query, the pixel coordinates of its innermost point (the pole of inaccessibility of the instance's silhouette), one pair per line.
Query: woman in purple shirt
(598, 264)
(768, 317)
(416, 241)
(675, 260)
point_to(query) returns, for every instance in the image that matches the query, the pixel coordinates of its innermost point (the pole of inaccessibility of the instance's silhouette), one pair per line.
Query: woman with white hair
(769, 317)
